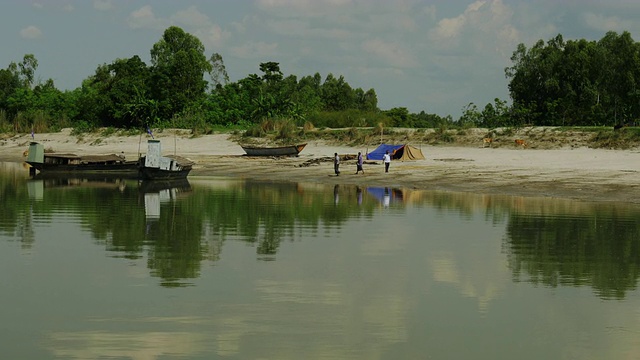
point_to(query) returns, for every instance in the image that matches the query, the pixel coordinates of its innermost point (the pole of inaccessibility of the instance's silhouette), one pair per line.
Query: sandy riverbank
(578, 173)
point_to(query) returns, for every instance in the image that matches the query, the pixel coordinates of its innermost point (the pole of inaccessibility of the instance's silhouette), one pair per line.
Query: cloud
(308, 7)
(212, 35)
(391, 53)
(484, 26)
(452, 27)
(301, 29)
(31, 32)
(190, 19)
(144, 18)
(255, 50)
(606, 23)
(102, 5)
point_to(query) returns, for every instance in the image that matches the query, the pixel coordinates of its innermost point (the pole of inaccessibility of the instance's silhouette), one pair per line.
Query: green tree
(178, 66)
(400, 117)
(576, 82)
(336, 94)
(218, 72)
(9, 84)
(28, 67)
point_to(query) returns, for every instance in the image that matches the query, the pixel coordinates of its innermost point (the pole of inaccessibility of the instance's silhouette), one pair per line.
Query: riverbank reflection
(247, 269)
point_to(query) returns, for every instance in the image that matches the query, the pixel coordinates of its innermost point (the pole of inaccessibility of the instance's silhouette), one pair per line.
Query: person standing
(359, 164)
(386, 158)
(336, 163)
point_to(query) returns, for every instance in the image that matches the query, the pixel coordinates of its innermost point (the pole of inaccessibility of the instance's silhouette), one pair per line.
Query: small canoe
(291, 150)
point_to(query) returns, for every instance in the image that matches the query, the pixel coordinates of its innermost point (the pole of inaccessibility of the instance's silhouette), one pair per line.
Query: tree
(109, 94)
(337, 94)
(218, 71)
(28, 67)
(577, 82)
(400, 117)
(178, 67)
(272, 74)
(9, 83)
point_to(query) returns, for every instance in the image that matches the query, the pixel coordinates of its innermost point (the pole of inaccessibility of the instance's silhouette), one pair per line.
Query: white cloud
(305, 8)
(430, 12)
(449, 28)
(485, 26)
(452, 27)
(256, 50)
(301, 29)
(301, 5)
(606, 23)
(102, 5)
(192, 17)
(391, 53)
(144, 18)
(212, 35)
(31, 32)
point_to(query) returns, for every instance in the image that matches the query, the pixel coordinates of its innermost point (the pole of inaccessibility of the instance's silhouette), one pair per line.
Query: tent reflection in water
(398, 152)
(386, 195)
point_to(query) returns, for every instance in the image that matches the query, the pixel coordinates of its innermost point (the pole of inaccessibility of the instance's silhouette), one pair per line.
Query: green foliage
(576, 82)
(284, 130)
(348, 118)
(442, 134)
(616, 139)
(82, 127)
(178, 66)
(287, 130)
(399, 117)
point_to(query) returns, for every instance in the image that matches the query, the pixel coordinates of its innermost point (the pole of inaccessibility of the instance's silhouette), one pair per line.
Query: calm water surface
(223, 268)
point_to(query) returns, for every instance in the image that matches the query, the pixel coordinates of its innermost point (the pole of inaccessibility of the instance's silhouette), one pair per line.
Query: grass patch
(625, 138)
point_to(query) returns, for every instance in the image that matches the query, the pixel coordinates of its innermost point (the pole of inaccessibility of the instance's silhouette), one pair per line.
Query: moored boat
(291, 150)
(154, 166)
(57, 163)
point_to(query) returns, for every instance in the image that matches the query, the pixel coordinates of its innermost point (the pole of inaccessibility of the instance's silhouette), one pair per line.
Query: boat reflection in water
(162, 190)
(158, 192)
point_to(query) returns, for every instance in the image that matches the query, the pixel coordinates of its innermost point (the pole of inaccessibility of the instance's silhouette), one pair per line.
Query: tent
(398, 152)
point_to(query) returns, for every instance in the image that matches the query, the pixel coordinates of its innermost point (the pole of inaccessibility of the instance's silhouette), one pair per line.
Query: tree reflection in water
(177, 227)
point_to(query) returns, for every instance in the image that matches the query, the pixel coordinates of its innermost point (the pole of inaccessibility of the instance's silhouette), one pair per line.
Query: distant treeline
(557, 83)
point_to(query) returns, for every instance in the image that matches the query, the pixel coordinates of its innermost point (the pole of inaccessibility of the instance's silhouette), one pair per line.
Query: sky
(436, 56)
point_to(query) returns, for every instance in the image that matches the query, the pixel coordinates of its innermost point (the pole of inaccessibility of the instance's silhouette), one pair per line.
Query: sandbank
(575, 173)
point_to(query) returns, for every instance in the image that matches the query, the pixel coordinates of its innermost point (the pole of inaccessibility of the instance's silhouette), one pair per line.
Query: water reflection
(386, 195)
(588, 244)
(220, 267)
(546, 241)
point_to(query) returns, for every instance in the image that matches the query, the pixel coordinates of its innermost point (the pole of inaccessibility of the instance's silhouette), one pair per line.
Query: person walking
(386, 158)
(336, 164)
(359, 164)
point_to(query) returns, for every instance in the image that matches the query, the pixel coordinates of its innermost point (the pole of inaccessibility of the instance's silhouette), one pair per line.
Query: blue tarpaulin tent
(398, 152)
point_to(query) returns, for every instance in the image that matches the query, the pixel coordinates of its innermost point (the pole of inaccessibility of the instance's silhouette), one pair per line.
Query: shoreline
(572, 173)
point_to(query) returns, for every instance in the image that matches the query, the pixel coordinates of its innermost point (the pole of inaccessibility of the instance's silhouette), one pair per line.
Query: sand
(575, 173)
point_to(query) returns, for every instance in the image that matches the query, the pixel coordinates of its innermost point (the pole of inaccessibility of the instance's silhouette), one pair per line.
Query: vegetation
(557, 83)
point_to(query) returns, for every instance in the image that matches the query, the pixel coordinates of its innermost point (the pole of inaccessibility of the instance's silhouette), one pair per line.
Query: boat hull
(149, 173)
(126, 169)
(292, 150)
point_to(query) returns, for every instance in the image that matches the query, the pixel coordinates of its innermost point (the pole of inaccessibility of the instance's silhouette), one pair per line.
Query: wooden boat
(55, 163)
(154, 166)
(291, 150)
